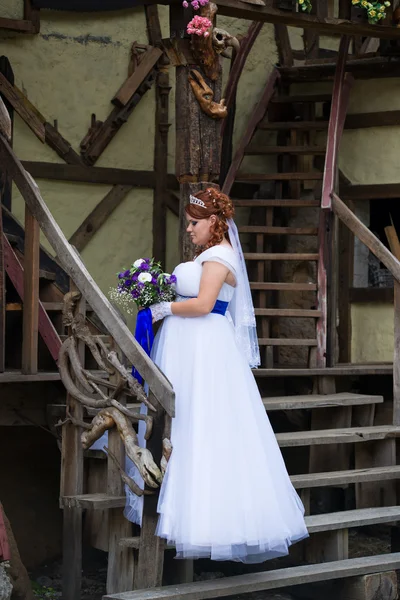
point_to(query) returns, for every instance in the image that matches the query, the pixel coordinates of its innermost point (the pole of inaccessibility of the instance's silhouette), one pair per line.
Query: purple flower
(145, 267)
(172, 279)
(140, 285)
(134, 277)
(120, 275)
(128, 282)
(126, 273)
(135, 294)
(154, 280)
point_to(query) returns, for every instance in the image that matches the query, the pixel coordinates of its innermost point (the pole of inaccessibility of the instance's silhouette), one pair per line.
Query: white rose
(138, 263)
(144, 277)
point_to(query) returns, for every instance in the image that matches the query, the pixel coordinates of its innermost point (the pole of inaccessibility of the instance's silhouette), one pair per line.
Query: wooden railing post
(396, 356)
(30, 324)
(72, 485)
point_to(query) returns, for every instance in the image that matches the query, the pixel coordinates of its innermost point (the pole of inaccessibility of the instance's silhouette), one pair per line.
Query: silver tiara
(194, 200)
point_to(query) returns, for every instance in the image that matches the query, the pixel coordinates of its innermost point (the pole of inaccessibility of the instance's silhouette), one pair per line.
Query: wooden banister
(366, 236)
(75, 268)
(30, 323)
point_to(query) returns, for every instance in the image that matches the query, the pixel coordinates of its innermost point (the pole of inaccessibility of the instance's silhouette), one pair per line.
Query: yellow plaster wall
(71, 70)
(372, 333)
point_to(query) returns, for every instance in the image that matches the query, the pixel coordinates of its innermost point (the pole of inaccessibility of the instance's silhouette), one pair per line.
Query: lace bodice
(188, 274)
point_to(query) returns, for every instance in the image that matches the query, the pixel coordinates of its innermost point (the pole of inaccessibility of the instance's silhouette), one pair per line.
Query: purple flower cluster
(145, 283)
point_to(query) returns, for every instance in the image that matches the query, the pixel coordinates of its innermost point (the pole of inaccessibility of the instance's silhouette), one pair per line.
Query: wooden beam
(282, 39)
(366, 236)
(32, 14)
(15, 272)
(386, 118)
(99, 215)
(379, 191)
(325, 25)
(75, 268)
(361, 68)
(20, 25)
(130, 86)
(23, 107)
(2, 299)
(30, 324)
(370, 295)
(86, 174)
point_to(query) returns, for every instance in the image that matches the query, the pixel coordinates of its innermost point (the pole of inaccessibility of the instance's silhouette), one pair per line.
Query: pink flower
(185, 4)
(199, 26)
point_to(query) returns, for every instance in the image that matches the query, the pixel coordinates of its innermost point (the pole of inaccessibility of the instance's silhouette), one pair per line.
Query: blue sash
(220, 307)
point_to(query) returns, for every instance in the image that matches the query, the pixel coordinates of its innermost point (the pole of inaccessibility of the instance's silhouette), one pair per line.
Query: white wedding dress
(226, 494)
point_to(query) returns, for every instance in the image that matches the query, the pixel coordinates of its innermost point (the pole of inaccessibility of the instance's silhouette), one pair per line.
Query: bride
(226, 494)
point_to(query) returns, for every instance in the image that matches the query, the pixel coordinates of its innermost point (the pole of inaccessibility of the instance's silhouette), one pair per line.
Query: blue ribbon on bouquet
(144, 335)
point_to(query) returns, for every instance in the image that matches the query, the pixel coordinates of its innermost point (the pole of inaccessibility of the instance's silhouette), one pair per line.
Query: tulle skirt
(226, 494)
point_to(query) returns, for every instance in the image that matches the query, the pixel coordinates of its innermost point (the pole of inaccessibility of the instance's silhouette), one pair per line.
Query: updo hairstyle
(218, 204)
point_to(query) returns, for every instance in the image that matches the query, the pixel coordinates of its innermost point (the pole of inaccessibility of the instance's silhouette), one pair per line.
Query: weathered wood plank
(370, 191)
(366, 236)
(19, 25)
(99, 215)
(266, 580)
(96, 501)
(352, 518)
(287, 312)
(338, 371)
(15, 272)
(133, 82)
(334, 478)
(86, 174)
(30, 323)
(73, 265)
(23, 107)
(18, 377)
(279, 256)
(319, 401)
(337, 436)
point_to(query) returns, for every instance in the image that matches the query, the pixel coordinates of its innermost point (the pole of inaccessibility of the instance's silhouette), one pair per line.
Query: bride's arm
(213, 276)
(212, 279)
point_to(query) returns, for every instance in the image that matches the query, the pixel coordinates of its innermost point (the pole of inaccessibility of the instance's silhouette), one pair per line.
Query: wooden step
(277, 285)
(319, 401)
(341, 370)
(265, 580)
(261, 177)
(334, 478)
(337, 436)
(18, 377)
(47, 275)
(258, 149)
(283, 99)
(93, 501)
(278, 230)
(48, 306)
(287, 312)
(250, 203)
(286, 342)
(279, 256)
(288, 125)
(352, 518)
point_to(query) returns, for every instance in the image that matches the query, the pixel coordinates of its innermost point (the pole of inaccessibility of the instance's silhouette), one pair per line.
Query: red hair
(218, 204)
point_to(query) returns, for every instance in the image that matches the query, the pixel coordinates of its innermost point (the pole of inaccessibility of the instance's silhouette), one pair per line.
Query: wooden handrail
(366, 236)
(336, 122)
(73, 265)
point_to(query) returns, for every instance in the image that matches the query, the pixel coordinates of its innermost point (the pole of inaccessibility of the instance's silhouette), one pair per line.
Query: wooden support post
(30, 328)
(5, 179)
(151, 547)
(160, 139)
(346, 268)
(120, 572)
(32, 14)
(72, 485)
(396, 357)
(195, 169)
(2, 299)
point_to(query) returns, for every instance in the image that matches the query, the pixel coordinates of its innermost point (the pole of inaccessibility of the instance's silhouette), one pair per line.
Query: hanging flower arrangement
(305, 5)
(195, 4)
(376, 11)
(199, 26)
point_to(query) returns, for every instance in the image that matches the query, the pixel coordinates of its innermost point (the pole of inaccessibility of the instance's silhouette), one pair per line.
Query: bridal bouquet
(144, 284)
